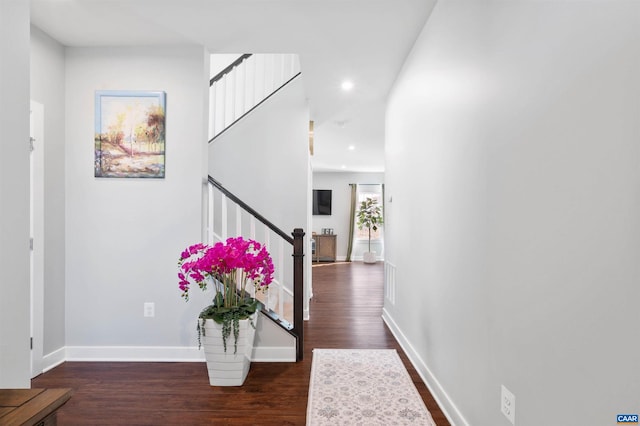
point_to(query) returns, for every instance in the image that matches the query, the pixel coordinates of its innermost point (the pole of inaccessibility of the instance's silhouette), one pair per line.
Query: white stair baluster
(252, 227)
(223, 103)
(238, 221)
(211, 215)
(281, 278)
(259, 79)
(212, 111)
(229, 95)
(234, 94)
(292, 65)
(268, 76)
(241, 88)
(267, 245)
(296, 65)
(251, 83)
(223, 217)
(282, 70)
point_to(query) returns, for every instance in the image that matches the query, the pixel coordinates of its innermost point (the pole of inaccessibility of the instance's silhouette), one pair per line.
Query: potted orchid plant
(230, 267)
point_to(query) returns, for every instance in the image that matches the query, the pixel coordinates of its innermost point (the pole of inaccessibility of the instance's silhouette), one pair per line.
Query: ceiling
(365, 41)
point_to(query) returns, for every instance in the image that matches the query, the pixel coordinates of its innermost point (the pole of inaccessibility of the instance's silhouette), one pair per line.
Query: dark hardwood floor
(345, 313)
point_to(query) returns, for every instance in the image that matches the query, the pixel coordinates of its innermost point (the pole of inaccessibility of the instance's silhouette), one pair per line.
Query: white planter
(369, 257)
(228, 368)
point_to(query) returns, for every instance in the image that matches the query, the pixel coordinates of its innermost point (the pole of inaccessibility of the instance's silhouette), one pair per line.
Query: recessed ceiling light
(343, 167)
(351, 147)
(347, 85)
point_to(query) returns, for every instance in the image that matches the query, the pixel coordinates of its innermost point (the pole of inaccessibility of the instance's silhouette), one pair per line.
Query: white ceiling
(365, 41)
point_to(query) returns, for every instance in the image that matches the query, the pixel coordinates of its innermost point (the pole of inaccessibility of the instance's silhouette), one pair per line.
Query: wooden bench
(31, 407)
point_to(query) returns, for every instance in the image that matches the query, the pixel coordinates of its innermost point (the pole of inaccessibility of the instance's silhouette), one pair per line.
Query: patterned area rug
(363, 387)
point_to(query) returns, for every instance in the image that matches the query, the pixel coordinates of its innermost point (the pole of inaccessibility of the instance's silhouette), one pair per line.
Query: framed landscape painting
(129, 134)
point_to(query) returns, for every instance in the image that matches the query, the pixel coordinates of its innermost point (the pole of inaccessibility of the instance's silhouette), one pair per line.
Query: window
(363, 234)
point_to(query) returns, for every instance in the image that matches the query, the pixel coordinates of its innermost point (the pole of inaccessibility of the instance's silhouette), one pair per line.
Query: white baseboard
(274, 354)
(53, 359)
(153, 354)
(442, 398)
(134, 353)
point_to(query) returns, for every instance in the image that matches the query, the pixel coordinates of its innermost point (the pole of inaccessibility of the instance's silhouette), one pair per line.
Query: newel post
(298, 290)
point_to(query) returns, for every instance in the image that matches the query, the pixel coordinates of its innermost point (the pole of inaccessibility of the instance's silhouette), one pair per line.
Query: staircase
(235, 92)
(245, 84)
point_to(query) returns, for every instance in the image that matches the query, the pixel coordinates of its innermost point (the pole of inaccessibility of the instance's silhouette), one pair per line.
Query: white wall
(264, 160)
(124, 236)
(48, 88)
(14, 194)
(512, 159)
(338, 183)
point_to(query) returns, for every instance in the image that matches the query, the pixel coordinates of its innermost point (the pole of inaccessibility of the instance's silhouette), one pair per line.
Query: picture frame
(130, 134)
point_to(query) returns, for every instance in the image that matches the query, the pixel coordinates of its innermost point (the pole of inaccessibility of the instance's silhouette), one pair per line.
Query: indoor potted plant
(229, 267)
(369, 216)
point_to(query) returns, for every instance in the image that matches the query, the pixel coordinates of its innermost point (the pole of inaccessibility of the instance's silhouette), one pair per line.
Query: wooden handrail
(228, 69)
(297, 241)
(250, 210)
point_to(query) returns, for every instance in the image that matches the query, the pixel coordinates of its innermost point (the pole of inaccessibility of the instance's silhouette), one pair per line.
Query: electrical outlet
(149, 309)
(508, 405)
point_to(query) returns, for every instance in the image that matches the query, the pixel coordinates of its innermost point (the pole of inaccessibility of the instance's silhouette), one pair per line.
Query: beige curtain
(352, 219)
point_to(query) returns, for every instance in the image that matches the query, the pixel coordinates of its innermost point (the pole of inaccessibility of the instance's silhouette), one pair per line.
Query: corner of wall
(444, 401)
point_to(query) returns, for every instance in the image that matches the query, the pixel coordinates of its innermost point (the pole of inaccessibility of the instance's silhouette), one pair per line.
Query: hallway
(345, 313)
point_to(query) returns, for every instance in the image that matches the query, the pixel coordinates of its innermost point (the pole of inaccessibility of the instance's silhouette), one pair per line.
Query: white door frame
(37, 235)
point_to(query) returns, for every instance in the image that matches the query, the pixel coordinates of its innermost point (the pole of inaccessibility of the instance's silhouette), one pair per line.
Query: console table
(325, 248)
(31, 407)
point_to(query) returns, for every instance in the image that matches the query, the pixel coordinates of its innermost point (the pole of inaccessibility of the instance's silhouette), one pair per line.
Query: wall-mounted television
(322, 202)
